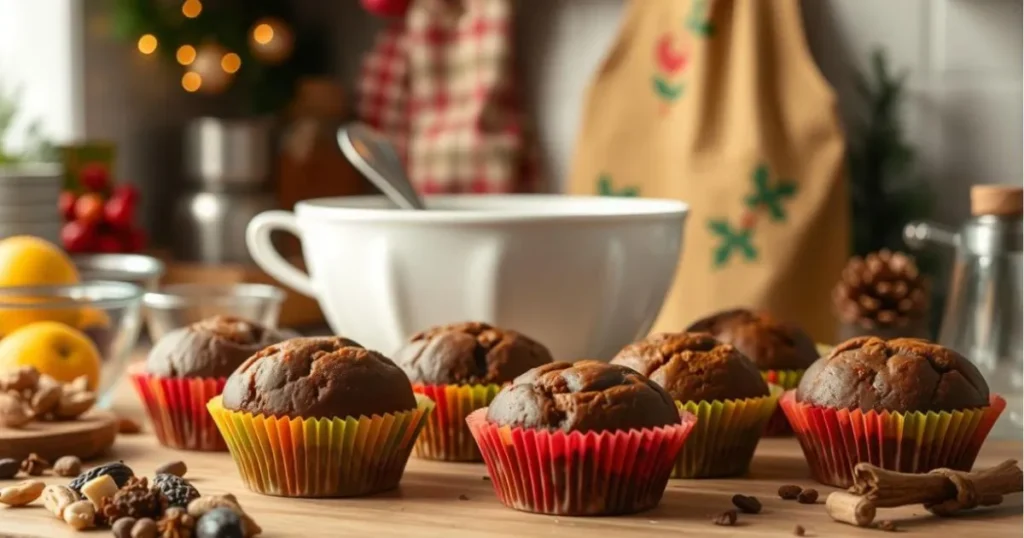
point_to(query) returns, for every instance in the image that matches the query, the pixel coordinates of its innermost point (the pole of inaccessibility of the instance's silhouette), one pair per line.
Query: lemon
(53, 348)
(30, 261)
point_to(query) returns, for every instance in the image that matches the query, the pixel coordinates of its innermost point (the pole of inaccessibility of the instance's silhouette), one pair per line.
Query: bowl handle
(257, 238)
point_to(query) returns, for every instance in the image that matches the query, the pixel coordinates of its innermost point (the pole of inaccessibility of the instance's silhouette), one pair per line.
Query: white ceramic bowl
(583, 275)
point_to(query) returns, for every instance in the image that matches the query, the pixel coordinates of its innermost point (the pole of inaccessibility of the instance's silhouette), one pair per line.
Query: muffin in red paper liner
(588, 439)
(904, 404)
(188, 367)
(461, 367)
(781, 350)
(718, 385)
(319, 417)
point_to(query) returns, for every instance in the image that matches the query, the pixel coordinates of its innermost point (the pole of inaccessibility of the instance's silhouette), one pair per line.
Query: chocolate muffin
(694, 367)
(769, 342)
(213, 347)
(901, 375)
(469, 353)
(318, 378)
(585, 396)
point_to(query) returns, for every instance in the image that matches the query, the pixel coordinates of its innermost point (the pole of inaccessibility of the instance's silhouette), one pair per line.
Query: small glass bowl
(107, 312)
(179, 305)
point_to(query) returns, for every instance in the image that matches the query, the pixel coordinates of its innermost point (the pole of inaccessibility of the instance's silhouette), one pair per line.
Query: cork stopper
(999, 200)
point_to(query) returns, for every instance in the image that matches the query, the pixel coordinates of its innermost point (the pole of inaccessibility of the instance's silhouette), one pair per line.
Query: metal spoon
(374, 156)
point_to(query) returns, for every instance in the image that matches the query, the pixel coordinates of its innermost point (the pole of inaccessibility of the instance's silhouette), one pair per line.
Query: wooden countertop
(454, 500)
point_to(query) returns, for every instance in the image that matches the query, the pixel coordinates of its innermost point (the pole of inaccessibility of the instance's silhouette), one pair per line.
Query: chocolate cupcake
(188, 367)
(782, 351)
(462, 367)
(905, 404)
(296, 414)
(594, 439)
(718, 385)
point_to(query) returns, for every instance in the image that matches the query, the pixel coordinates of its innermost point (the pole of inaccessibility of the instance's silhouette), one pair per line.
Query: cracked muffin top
(772, 344)
(469, 353)
(212, 347)
(902, 375)
(585, 396)
(694, 367)
(318, 378)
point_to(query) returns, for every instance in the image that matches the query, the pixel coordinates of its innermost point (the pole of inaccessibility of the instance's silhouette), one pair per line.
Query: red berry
(94, 176)
(133, 239)
(66, 204)
(78, 237)
(89, 208)
(386, 8)
(119, 212)
(128, 192)
(109, 244)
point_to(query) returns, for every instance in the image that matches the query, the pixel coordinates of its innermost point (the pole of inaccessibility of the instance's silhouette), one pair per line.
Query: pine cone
(882, 290)
(136, 499)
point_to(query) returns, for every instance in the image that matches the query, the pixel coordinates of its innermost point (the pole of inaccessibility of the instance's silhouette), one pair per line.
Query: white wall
(36, 55)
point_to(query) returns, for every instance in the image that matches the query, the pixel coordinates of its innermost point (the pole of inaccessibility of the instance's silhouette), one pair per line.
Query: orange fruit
(53, 348)
(30, 261)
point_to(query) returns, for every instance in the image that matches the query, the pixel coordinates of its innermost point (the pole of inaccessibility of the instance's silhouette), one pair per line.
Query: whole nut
(22, 493)
(13, 411)
(47, 395)
(122, 528)
(33, 465)
(144, 528)
(79, 384)
(128, 426)
(24, 378)
(73, 404)
(9, 468)
(198, 507)
(80, 515)
(98, 488)
(68, 466)
(176, 468)
(57, 497)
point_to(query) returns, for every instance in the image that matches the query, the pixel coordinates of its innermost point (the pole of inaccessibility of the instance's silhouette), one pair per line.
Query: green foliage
(263, 88)
(36, 147)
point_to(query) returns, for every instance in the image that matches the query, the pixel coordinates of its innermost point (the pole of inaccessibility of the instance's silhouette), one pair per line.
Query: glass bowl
(143, 271)
(107, 312)
(179, 305)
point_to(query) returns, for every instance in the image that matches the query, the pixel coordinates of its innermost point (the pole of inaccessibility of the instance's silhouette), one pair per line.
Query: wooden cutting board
(453, 500)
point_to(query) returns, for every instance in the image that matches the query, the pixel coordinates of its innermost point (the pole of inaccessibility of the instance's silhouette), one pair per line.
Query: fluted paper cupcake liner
(320, 457)
(835, 440)
(177, 409)
(726, 434)
(446, 435)
(577, 474)
(778, 426)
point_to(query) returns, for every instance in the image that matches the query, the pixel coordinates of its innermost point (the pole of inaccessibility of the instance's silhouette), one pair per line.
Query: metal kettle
(983, 314)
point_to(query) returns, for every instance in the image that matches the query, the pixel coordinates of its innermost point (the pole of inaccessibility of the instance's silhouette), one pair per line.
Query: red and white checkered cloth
(442, 85)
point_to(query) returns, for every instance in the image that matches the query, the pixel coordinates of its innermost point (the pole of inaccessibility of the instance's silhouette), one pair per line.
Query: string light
(263, 33)
(191, 81)
(191, 8)
(231, 62)
(147, 44)
(186, 54)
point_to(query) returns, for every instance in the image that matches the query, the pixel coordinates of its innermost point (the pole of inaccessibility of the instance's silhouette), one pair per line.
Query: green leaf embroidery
(697, 20)
(768, 196)
(731, 241)
(605, 188)
(666, 90)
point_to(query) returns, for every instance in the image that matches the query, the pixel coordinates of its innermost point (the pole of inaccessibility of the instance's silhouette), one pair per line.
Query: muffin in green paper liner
(717, 384)
(781, 350)
(319, 417)
(461, 367)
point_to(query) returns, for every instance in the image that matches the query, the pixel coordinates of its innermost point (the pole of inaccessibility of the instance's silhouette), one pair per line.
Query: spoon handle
(377, 159)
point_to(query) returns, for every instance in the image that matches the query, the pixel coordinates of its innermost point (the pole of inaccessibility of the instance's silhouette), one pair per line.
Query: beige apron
(719, 104)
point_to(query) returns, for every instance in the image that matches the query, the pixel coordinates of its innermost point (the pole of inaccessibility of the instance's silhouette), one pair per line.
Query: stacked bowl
(28, 201)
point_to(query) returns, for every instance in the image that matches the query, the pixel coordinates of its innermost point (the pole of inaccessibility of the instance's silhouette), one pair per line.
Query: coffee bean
(9, 468)
(807, 496)
(790, 492)
(463, 498)
(799, 530)
(725, 519)
(888, 526)
(176, 468)
(747, 504)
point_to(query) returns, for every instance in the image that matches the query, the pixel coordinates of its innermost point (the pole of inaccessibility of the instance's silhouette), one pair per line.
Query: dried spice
(177, 490)
(807, 496)
(176, 523)
(790, 492)
(9, 468)
(888, 526)
(117, 471)
(799, 530)
(34, 465)
(725, 519)
(135, 499)
(746, 504)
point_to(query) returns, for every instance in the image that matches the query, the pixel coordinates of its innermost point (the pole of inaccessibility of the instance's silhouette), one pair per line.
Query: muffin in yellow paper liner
(723, 441)
(446, 435)
(320, 457)
(778, 426)
(836, 440)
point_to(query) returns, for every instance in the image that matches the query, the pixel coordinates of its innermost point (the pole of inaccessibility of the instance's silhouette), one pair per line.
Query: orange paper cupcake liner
(577, 474)
(446, 435)
(177, 409)
(320, 457)
(778, 426)
(835, 440)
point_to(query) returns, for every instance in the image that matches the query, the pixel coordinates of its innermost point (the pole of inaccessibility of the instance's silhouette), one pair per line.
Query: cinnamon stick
(942, 491)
